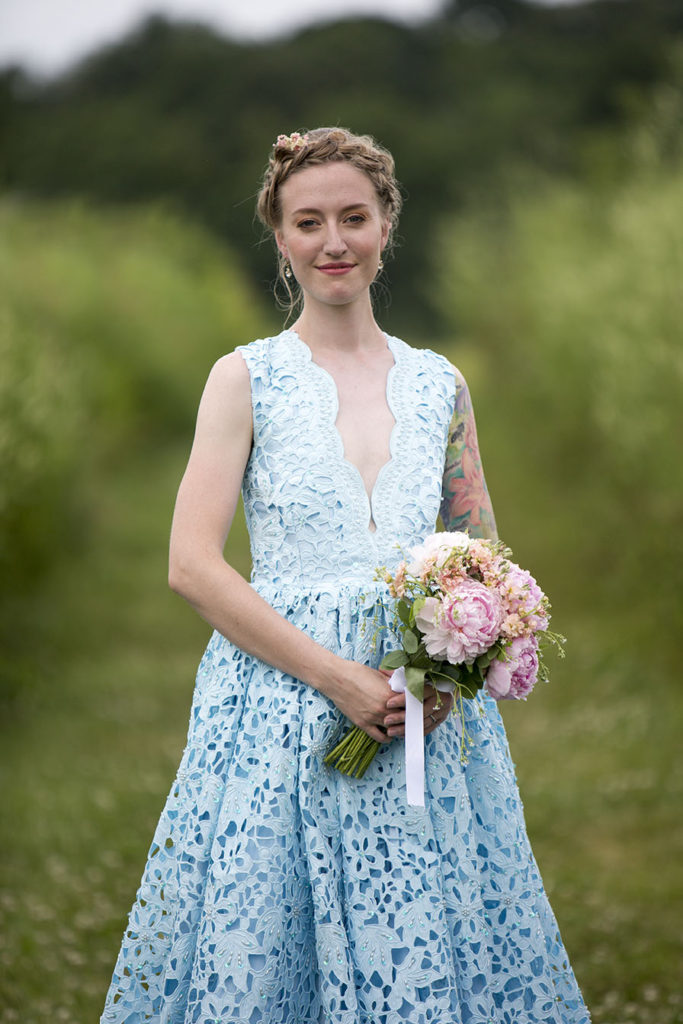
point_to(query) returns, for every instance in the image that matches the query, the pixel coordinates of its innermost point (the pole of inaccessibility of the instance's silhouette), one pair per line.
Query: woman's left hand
(436, 708)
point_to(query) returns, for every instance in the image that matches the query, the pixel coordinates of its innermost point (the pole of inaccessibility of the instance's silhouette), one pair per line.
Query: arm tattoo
(465, 501)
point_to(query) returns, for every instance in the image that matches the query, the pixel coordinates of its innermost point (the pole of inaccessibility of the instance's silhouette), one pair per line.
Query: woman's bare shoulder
(230, 370)
(226, 401)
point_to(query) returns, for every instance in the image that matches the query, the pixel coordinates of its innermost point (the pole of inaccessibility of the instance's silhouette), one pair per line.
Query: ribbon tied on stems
(414, 735)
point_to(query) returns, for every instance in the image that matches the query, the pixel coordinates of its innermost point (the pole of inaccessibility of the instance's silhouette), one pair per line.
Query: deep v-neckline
(325, 375)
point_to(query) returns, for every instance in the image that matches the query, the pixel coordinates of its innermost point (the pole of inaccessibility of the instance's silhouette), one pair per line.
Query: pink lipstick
(335, 269)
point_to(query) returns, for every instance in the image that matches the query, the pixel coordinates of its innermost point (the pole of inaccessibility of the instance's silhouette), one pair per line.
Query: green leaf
(415, 608)
(421, 659)
(394, 659)
(450, 672)
(403, 610)
(484, 660)
(410, 641)
(415, 679)
(434, 673)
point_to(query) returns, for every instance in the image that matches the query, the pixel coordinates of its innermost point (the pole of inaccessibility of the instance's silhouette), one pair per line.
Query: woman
(278, 890)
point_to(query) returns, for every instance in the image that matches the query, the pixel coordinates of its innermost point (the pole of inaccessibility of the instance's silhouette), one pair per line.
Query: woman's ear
(386, 230)
(282, 248)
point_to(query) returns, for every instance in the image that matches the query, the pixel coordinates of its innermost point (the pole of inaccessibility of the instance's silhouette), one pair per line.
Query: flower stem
(353, 755)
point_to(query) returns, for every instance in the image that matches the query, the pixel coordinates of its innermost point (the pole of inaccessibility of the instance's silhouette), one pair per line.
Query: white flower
(435, 550)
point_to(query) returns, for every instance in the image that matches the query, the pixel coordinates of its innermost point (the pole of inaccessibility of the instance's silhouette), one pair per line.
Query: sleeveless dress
(278, 891)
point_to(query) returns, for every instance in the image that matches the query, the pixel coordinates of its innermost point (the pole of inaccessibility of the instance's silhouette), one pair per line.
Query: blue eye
(306, 223)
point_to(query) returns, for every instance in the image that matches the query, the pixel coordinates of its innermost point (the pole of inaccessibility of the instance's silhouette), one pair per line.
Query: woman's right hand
(361, 693)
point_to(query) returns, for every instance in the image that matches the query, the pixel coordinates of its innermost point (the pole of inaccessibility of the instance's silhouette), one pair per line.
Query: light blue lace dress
(278, 891)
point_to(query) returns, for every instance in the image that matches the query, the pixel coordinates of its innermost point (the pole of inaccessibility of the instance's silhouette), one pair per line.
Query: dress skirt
(278, 891)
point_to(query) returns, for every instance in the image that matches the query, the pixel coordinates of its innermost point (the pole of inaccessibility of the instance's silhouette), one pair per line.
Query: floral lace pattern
(278, 891)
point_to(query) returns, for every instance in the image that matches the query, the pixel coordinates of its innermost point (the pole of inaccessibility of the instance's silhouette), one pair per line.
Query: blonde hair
(322, 145)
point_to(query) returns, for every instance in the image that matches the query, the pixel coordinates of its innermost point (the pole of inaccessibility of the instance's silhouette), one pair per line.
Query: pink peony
(498, 679)
(514, 677)
(463, 624)
(525, 672)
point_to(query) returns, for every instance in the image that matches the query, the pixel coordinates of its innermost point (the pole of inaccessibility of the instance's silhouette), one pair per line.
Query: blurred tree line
(178, 112)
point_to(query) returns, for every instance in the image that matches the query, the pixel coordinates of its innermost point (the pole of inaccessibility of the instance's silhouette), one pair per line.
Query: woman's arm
(204, 511)
(465, 501)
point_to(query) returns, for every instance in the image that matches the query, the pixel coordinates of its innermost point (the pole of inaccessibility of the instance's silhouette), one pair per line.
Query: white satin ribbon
(414, 738)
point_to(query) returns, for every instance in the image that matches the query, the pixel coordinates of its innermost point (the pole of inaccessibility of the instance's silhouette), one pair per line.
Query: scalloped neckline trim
(371, 501)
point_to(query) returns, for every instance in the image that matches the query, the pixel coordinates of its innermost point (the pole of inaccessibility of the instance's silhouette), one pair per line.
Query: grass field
(91, 748)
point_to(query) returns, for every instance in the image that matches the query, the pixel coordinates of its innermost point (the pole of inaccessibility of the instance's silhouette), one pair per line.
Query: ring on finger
(433, 718)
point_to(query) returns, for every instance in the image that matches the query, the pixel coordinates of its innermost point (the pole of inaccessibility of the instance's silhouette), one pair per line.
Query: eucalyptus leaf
(394, 660)
(410, 641)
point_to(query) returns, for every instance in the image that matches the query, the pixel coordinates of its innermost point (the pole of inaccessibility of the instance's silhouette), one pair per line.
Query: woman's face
(333, 231)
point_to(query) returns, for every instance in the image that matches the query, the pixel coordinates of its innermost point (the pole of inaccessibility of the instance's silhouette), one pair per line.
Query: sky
(46, 36)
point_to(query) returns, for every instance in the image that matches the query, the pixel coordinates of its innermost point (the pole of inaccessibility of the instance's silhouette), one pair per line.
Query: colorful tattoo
(465, 501)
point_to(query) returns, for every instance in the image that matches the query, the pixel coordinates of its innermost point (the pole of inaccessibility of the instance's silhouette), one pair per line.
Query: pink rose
(463, 624)
(513, 677)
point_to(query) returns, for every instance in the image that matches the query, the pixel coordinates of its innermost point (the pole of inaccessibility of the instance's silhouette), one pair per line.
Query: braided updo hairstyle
(292, 153)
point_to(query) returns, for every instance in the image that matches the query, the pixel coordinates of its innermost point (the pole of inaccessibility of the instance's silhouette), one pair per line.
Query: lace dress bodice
(308, 512)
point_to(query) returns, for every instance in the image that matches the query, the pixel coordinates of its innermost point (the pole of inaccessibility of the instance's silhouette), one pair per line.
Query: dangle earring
(287, 270)
(380, 265)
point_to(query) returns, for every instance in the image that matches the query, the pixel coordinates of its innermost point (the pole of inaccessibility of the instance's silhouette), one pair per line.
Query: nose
(334, 242)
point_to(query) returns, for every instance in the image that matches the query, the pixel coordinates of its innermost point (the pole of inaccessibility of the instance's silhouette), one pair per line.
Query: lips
(335, 268)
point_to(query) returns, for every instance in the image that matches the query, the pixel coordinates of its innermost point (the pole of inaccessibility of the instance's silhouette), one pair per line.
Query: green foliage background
(542, 251)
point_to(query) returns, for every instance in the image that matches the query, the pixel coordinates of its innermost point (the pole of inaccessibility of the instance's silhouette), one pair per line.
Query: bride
(278, 890)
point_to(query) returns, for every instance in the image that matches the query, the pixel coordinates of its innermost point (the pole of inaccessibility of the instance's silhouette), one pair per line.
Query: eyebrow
(345, 209)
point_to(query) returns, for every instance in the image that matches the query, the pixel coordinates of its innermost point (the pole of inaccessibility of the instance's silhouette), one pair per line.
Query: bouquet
(468, 618)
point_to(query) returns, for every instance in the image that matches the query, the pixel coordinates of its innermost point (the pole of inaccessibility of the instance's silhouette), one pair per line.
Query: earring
(380, 265)
(287, 270)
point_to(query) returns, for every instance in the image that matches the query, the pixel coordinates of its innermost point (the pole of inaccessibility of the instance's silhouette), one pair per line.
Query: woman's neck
(342, 328)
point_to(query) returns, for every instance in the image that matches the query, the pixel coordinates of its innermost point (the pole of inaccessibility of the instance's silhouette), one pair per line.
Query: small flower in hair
(291, 142)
